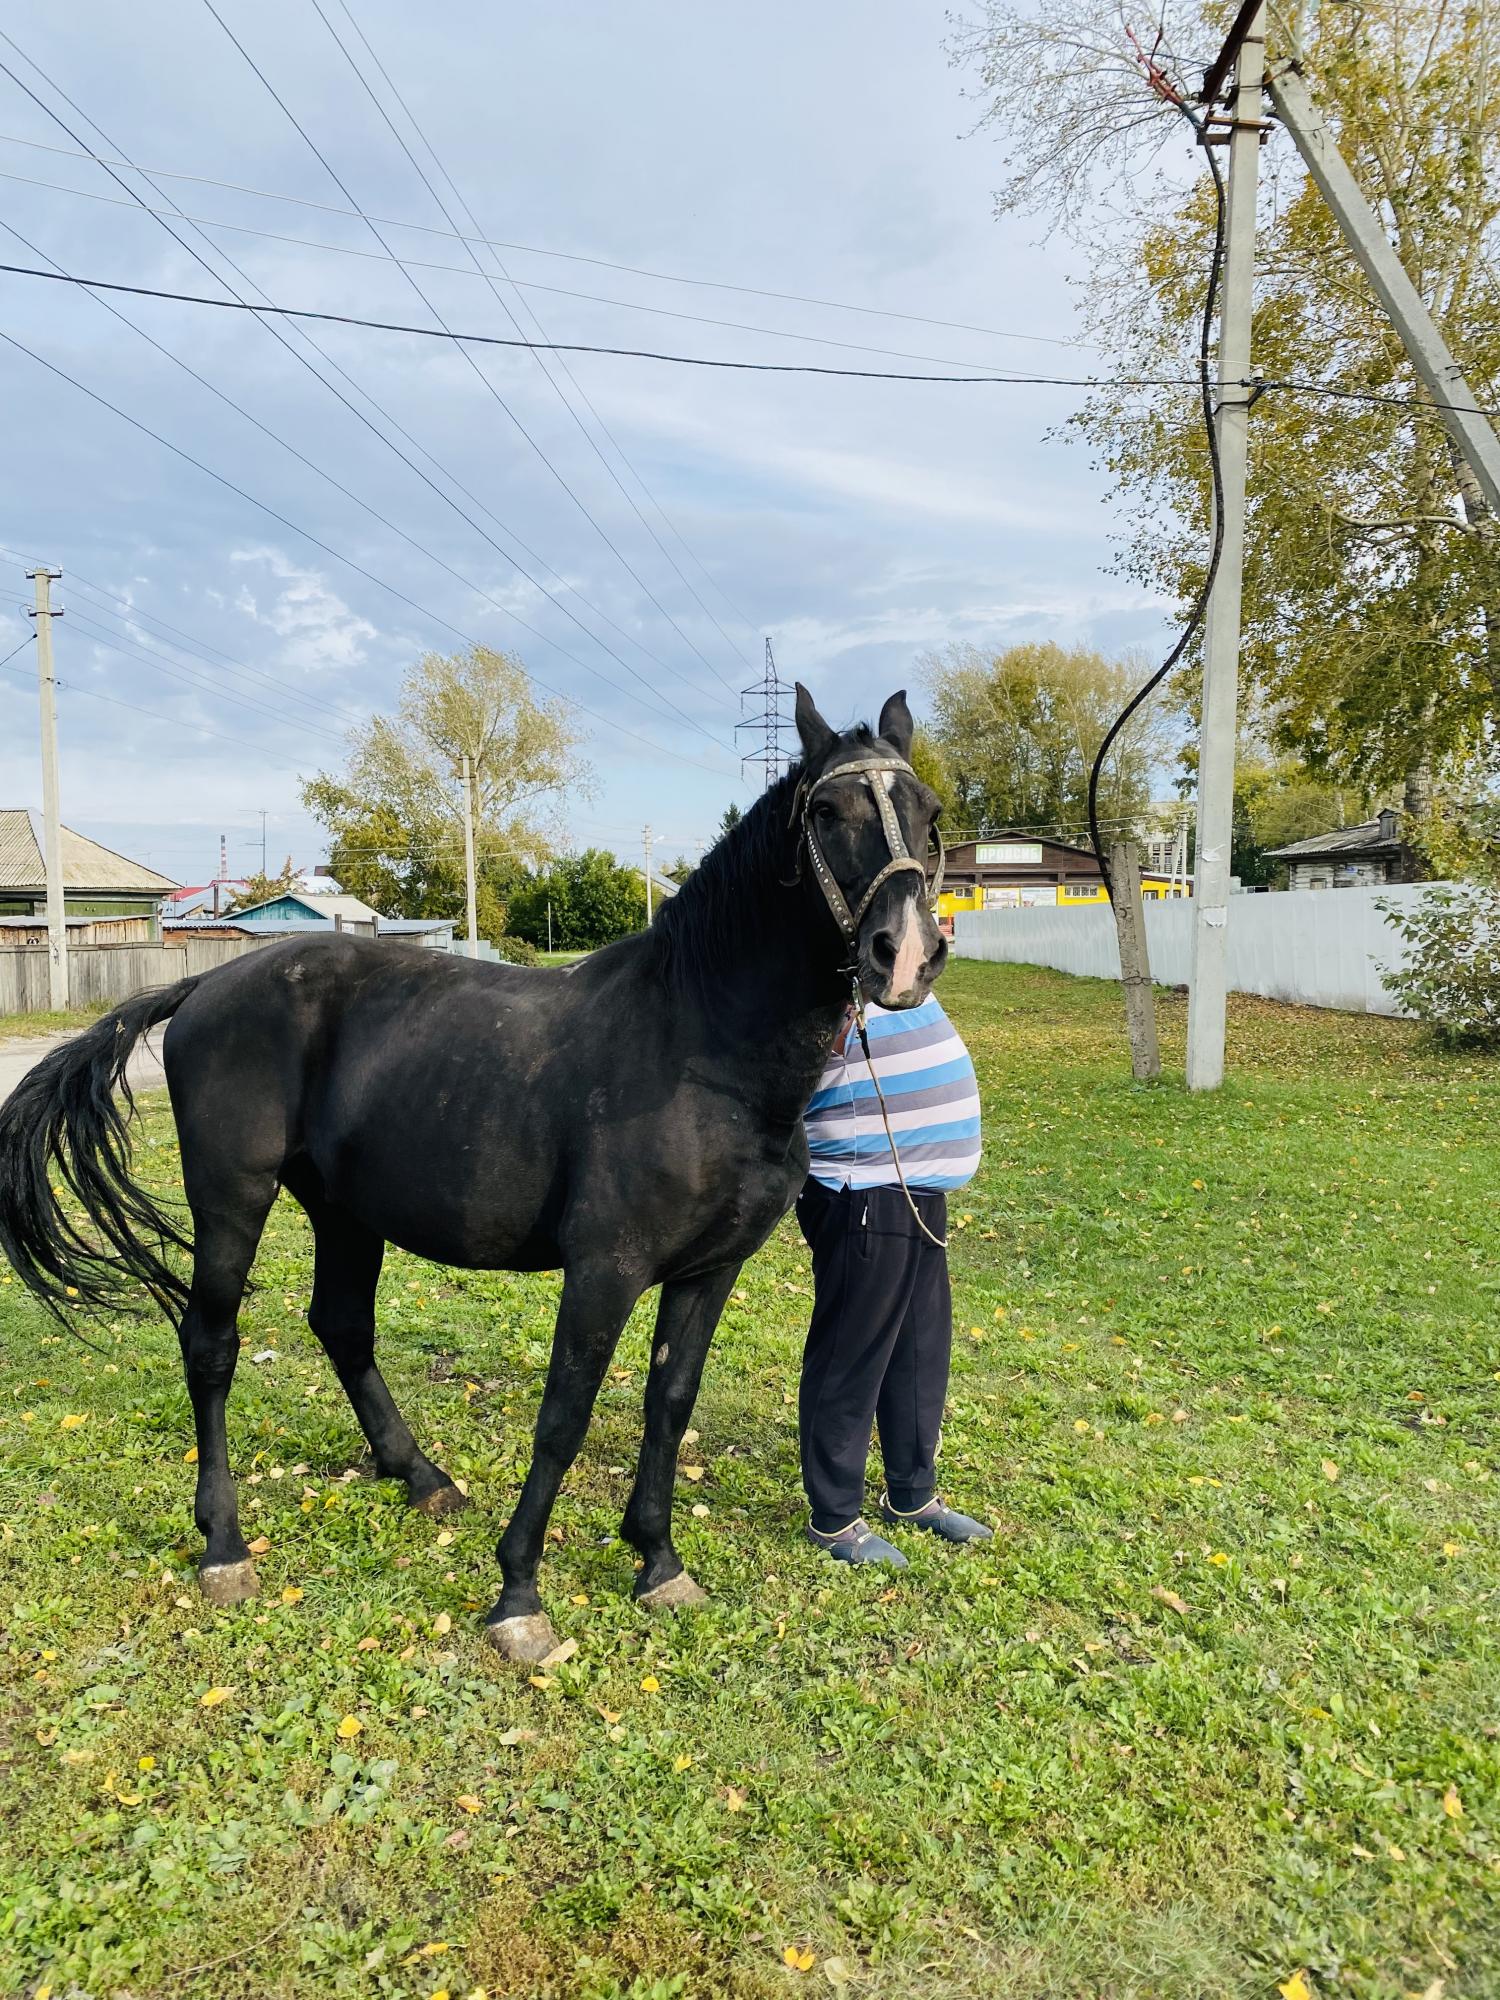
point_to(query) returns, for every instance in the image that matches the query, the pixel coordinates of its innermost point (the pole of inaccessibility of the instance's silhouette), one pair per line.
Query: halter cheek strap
(901, 861)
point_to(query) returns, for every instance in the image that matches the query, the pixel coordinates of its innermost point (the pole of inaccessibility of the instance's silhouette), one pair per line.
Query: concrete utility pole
(1470, 431)
(647, 834)
(42, 581)
(1208, 979)
(471, 892)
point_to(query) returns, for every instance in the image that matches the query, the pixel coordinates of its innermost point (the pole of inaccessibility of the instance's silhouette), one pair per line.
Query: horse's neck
(770, 1014)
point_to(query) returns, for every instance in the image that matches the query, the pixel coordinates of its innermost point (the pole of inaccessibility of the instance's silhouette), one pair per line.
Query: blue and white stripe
(931, 1096)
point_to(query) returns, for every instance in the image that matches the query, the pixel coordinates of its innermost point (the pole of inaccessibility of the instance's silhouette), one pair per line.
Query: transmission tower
(761, 711)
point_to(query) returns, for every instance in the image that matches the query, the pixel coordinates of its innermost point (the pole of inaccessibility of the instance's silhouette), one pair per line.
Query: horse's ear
(896, 725)
(814, 732)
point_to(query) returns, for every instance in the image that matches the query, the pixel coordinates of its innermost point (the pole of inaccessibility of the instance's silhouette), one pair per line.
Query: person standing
(880, 1341)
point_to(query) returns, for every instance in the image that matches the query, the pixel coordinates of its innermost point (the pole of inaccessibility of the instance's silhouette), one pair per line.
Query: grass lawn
(1217, 1713)
(17, 1027)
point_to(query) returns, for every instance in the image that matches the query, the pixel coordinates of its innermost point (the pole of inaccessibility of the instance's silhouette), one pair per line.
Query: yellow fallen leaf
(467, 1802)
(1396, 1853)
(442, 1624)
(1330, 1470)
(368, 1645)
(1295, 1988)
(733, 1800)
(798, 1958)
(693, 1473)
(145, 1763)
(349, 1728)
(292, 1594)
(680, 1763)
(259, 1546)
(1218, 1559)
(1453, 1805)
(1080, 1424)
(189, 1457)
(540, 1680)
(128, 1798)
(72, 1423)
(1451, 1549)
(1170, 1598)
(579, 1597)
(214, 1697)
(650, 1685)
(1199, 1185)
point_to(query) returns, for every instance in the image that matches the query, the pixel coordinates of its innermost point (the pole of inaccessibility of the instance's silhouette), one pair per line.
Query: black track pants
(878, 1347)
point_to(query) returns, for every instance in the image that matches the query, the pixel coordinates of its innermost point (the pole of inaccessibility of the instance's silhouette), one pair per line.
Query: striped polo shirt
(931, 1096)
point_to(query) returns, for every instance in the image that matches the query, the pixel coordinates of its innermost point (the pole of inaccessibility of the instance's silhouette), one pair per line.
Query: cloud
(318, 627)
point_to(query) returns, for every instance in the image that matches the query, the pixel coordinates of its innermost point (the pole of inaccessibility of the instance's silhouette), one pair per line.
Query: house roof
(1369, 837)
(85, 864)
(323, 908)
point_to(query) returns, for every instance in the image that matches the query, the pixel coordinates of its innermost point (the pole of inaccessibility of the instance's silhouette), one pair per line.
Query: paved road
(20, 1052)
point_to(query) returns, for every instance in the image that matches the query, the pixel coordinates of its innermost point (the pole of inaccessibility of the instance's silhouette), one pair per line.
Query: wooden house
(97, 882)
(1011, 871)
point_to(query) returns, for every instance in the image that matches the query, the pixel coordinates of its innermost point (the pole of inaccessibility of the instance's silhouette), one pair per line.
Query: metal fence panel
(1318, 948)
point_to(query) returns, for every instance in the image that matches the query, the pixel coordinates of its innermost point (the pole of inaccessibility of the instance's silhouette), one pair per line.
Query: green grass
(1218, 1706)
(48, 1022)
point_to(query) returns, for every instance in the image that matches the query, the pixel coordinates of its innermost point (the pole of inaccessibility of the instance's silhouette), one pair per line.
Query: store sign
(1023, 852)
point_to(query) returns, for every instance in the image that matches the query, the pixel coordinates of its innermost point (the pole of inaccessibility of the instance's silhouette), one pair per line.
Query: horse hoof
(674, 1595)
(440, 1501)
(228, 1583)
(526, 1640)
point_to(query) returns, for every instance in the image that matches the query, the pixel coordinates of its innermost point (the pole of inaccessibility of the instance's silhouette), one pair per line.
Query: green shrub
(515, 950)
(1451, 978)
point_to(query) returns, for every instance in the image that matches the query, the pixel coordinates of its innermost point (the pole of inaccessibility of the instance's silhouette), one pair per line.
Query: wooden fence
(100, 974)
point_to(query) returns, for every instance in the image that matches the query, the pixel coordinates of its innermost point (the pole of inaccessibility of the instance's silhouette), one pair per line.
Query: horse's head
(864, 821)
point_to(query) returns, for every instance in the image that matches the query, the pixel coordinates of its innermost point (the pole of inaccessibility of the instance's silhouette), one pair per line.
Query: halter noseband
(901, 861)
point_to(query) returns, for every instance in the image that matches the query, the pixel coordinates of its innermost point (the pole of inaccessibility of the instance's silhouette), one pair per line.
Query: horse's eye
(824, 812)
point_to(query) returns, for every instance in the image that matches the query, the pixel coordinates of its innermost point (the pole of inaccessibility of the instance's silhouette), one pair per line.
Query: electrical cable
(526, 249)
(505, 307)
(1206, 392)
(264, 314)
(468, 213)
(370, 576)
(479, 374)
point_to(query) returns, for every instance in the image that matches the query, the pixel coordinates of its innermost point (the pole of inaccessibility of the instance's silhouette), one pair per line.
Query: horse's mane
(733, 889)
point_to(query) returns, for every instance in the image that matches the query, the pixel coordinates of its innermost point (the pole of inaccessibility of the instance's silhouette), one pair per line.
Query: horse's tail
(63, 1123)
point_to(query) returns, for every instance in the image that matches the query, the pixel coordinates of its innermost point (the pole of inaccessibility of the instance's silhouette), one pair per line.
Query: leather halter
(901, 861)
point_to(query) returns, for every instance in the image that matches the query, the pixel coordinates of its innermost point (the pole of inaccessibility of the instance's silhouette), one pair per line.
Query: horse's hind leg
(224, 1247)
(596, 1302)
(685, 1323)
(346, 1270)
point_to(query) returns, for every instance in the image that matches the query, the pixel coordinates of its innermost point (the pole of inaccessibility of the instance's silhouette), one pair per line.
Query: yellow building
(1006, 873)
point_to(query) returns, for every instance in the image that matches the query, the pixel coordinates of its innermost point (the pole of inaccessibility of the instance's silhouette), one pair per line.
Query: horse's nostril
(883, 949)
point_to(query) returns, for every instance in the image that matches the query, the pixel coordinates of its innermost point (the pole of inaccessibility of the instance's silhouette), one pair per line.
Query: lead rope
(939, 1242)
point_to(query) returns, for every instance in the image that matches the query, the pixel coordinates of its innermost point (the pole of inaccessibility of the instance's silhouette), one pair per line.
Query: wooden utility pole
(42, 581)
(1135, 960)
(1208, 980)
(471, 894)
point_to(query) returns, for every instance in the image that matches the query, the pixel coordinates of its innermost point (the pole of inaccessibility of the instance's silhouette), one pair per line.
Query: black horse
(636, 1120)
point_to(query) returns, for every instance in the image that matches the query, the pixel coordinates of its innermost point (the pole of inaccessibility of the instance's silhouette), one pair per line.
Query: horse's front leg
(596, 1302)
(685, 1324)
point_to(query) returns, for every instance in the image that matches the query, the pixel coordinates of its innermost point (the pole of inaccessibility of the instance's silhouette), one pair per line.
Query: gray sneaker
(858, 1543)
(937, 1519)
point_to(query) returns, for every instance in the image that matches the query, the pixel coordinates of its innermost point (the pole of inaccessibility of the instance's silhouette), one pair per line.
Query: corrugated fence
(1315, 947)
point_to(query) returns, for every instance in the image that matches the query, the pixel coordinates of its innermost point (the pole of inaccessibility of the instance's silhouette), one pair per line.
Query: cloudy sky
(375, 495)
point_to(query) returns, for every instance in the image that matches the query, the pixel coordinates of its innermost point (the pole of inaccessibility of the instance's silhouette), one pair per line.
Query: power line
(504, 306)
(160, 663)
(537, 250)
(582, 347)
(1014, 381)
(75, 581)
(316, 541)
(479, 374)
(262, 314)
(521, 284)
